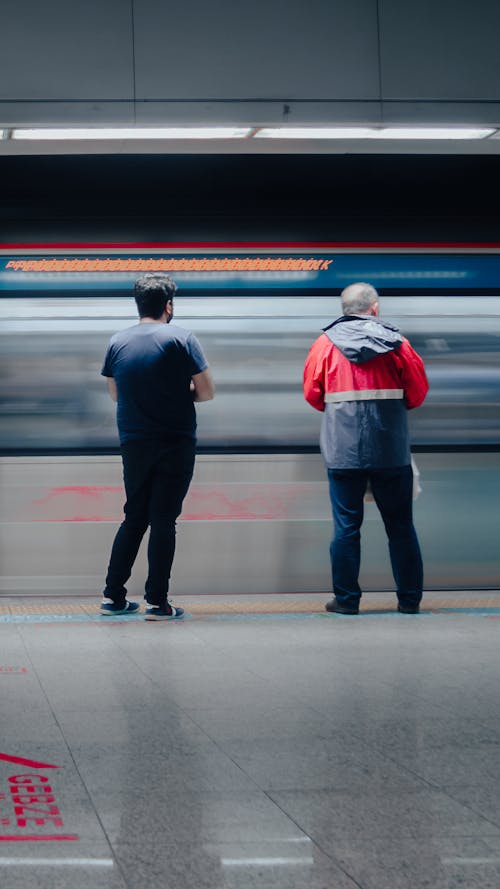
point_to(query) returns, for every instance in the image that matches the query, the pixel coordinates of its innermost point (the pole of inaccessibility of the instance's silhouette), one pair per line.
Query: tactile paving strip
(287, 605)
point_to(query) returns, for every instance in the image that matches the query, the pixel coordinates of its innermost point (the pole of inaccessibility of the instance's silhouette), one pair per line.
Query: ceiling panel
(66, 114)
(440, 50)
(261, 49)
(442, 113)
(66, 49)
(264, 113)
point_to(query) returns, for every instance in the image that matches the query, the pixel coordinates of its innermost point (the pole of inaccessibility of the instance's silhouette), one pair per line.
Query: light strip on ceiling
(313, 133)
(373, 133)
(132, 133)
(433, 133)
(187, 133)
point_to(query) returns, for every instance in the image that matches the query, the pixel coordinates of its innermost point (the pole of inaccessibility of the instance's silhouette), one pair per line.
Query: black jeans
(393, 493)
(156, 477)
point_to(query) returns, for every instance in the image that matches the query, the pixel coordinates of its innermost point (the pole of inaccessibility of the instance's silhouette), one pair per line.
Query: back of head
(358, 299)
(151, 292)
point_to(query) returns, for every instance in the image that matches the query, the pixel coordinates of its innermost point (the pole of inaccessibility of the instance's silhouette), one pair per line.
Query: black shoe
(109, 607)
(335, 607)
(409, 609)
(163, 612)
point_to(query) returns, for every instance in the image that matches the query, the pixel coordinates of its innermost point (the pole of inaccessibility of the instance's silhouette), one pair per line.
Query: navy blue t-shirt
(152, 365)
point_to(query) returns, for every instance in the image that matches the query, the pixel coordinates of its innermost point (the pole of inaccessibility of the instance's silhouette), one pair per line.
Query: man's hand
(202, 386)
(112, 388)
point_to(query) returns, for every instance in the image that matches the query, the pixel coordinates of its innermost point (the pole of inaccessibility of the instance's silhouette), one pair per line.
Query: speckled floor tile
(433, 863)
(330, 815)
(263, 865)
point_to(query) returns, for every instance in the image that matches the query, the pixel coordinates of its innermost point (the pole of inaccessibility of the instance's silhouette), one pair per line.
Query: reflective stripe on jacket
(364, 376)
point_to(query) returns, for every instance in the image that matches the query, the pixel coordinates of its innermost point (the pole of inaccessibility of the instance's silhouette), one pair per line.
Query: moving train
(256, 312)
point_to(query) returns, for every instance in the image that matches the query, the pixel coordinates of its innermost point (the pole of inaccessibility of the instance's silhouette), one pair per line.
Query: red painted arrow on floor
(31, 763)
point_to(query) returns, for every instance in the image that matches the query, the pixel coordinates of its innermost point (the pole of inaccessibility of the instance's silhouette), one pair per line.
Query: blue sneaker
(163, 612)
(109, 607)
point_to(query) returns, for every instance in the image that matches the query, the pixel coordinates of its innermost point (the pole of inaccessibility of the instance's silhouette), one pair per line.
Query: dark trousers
(393, 493)
(156, 477)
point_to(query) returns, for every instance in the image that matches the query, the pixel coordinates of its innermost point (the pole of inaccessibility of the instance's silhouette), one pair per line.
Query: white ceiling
(266, 62)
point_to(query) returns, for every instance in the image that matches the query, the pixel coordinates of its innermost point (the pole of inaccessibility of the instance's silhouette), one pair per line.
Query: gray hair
(357, 299)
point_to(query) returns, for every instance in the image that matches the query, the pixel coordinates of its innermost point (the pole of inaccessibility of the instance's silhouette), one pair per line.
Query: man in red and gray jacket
(364, 375)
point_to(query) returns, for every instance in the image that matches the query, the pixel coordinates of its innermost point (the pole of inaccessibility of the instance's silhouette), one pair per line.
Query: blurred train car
(257, 516)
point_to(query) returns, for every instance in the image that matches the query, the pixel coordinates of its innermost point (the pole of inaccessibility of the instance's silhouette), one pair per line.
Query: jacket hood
(362, 337)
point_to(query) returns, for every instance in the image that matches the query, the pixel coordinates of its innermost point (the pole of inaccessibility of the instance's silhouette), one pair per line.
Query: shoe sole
(163, 616)
(117, 613)
(339, 610)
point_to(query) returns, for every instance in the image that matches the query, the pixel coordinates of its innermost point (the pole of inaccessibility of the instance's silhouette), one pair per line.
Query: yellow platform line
(288, 605)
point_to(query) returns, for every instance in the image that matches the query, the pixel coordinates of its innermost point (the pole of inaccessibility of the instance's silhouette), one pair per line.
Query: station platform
(260, 742)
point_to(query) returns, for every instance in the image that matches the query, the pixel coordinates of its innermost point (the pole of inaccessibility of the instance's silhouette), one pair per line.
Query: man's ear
(169, 308)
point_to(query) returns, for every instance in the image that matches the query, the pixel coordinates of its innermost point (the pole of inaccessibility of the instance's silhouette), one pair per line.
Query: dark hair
(151, 292)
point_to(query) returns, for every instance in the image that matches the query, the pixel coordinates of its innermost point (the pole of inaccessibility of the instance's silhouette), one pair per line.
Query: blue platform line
(272, 616)
(363, 615)
(478, 610)
(65, 618)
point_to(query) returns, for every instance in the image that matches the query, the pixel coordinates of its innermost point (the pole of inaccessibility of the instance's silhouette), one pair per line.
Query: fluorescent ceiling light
(313, 133)
(133, 133)
(432, 133)
(181, 133)
(373, 133)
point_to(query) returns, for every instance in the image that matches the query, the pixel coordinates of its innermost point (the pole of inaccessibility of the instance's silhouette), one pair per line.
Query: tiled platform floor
(251, 746)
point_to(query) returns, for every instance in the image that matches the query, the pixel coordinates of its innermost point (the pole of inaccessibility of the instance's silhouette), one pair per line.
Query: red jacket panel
(327, 370)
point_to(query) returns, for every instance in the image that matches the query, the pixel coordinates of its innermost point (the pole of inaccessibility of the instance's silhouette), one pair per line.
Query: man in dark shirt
(155, 371)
